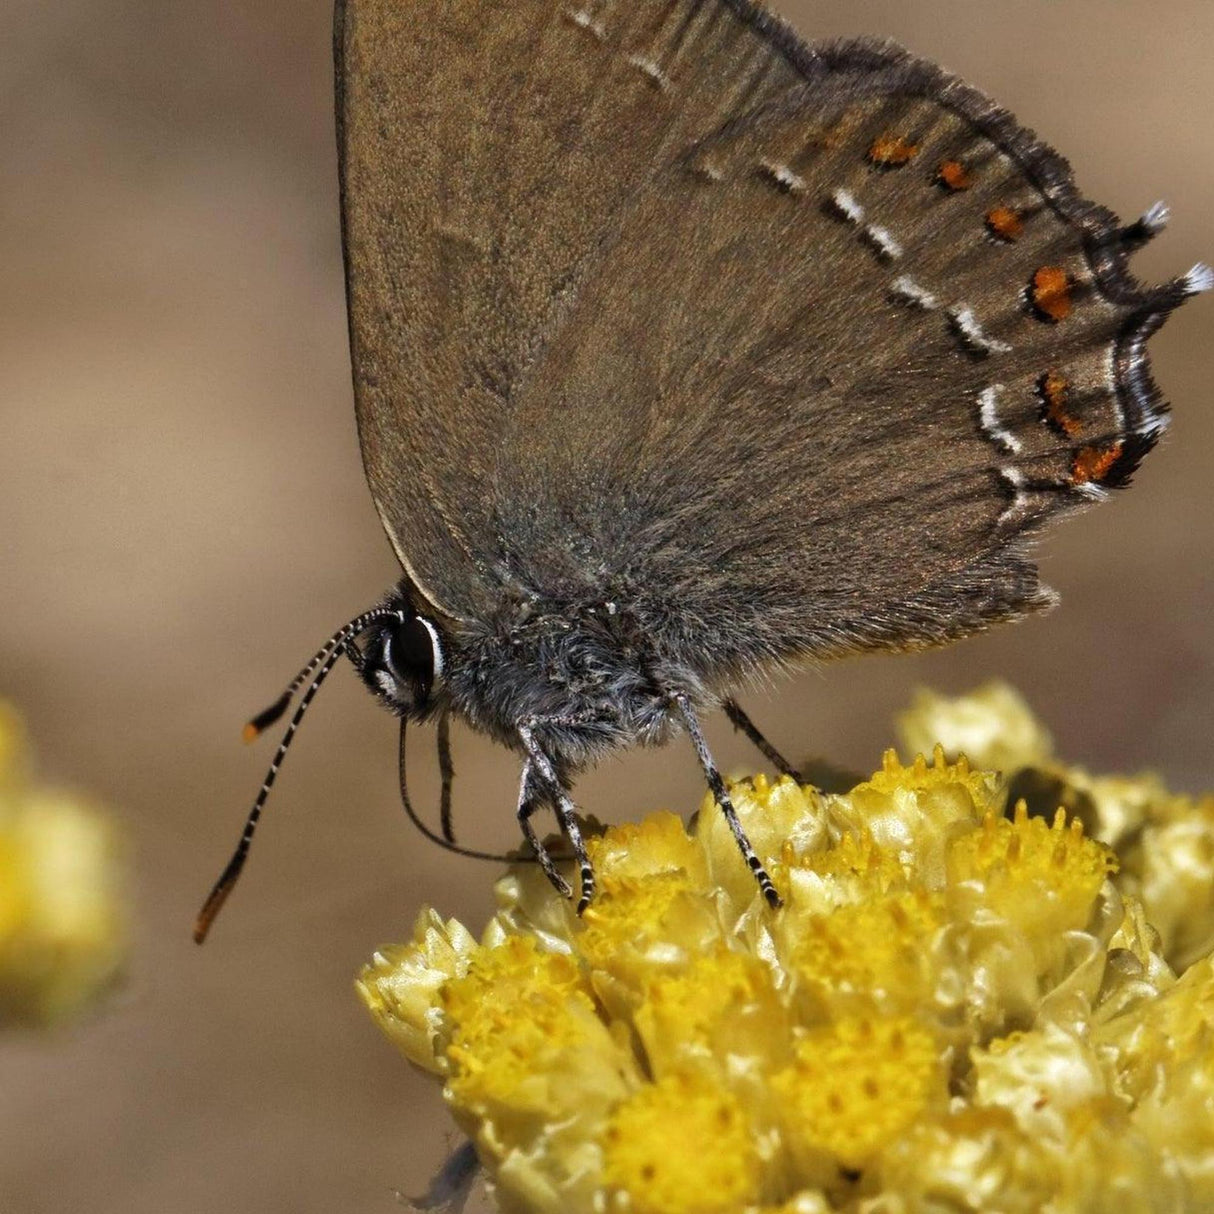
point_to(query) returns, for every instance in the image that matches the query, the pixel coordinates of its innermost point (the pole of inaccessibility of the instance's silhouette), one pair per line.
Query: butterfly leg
(528, 803)
(740, 721)
(721, 795)
(566, 816)
(566, 813)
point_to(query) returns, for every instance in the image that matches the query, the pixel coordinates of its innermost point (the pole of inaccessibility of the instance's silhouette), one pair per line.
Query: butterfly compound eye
(403, 660)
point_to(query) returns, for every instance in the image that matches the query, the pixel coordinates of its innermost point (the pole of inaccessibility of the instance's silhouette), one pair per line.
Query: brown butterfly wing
(785, 346)
(838, 362)
(485, 150)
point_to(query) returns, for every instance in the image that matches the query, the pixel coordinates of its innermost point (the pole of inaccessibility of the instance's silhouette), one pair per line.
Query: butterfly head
(402, 661)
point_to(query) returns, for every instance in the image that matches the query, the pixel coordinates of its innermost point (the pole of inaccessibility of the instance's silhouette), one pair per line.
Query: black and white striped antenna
(317, 670)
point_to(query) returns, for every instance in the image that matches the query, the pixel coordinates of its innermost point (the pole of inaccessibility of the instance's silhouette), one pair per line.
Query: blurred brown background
(183, 518)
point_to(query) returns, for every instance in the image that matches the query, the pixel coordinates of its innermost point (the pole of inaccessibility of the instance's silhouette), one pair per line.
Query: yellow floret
(855, 1085)
(623, 859)
(877, 953)
(682, 1145)
(1043, 876)
(957, 778)
(723, 1016)
(657, 844)
(639, 929)
(515, 1019)
(401, 984)
(534, 1072)
(853, 870)
(856, 861)
(914, 811)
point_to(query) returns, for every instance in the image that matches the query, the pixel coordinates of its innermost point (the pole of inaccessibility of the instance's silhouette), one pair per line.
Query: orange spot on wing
(1004, 223)
(889, 150)
(953, 175)
(1051, 293)
(1054, 389)
(1093, 464)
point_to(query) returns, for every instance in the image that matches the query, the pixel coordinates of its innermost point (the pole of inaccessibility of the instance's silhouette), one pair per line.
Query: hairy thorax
(582, 677)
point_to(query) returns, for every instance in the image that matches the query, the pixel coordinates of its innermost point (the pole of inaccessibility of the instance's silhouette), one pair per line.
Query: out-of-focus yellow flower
(993, 727)
(62, 914)
(962, 1005)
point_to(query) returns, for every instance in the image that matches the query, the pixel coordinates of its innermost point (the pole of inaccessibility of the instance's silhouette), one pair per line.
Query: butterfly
(685, 349)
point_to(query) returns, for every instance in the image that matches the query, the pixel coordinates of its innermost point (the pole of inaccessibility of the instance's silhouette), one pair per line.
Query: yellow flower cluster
(957, 1008)
(1164, 841)
(63, 927)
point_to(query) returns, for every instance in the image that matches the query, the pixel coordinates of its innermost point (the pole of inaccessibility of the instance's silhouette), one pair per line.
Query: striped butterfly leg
(541, 766)
(721, 795)
(529, 801)
(743, 723)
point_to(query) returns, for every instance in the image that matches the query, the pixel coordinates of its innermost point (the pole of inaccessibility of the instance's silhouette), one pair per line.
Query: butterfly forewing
(486, 150)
